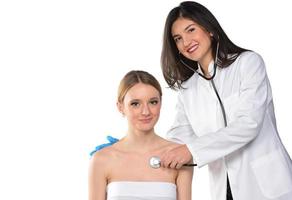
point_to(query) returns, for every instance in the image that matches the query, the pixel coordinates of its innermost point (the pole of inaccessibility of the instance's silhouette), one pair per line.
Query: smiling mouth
(146, 120)
(192, 48)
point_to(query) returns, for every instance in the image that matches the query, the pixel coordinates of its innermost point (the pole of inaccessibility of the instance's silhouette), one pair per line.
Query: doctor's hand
(176, 157)
(111, 140)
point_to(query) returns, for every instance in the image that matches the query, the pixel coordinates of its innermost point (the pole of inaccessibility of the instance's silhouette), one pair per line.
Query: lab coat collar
(210, 68)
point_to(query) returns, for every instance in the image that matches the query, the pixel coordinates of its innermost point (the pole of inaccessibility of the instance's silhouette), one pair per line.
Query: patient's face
(141, 106)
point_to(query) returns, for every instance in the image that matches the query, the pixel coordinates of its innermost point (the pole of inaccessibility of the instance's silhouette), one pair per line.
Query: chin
(146, 128)
(193, 58)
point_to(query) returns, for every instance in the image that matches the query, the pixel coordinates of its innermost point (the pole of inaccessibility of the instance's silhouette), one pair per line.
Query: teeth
(190, 50)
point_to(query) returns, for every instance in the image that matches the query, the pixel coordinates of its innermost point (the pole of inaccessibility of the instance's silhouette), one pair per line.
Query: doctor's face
(192, 40)
(141, 106)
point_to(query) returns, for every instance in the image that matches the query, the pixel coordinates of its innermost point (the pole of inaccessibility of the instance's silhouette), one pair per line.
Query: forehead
(181, 23)
(142, 91)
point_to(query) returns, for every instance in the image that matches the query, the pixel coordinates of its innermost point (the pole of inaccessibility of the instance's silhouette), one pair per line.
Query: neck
(140, 141)
(205, 70)
(205, 61)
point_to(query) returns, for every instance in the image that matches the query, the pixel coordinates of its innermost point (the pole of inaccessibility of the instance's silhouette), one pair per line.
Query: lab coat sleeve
(181, 130)
(248, 117)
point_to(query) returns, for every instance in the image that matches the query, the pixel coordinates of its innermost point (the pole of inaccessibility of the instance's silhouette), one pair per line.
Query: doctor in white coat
(225, 115)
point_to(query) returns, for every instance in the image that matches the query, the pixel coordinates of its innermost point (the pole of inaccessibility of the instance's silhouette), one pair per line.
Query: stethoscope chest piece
(154, 162)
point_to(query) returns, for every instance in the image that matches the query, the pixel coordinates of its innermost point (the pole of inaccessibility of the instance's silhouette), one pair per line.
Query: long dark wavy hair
(174, 72)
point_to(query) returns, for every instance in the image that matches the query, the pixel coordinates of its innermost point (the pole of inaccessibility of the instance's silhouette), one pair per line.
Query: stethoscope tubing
(155, 161)
(189, 165)
(212, 82)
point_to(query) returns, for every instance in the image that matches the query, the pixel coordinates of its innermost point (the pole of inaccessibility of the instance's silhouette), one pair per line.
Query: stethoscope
(212, 81)
(155, 160)
(155, 163)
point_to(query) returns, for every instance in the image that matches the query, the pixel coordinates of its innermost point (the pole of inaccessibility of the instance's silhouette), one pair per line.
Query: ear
(120, 107)
(211, 34)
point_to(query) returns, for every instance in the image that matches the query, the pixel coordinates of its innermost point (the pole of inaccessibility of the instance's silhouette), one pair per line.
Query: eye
(134, 104)
(177, 39)
(190, 30)
(154, 102)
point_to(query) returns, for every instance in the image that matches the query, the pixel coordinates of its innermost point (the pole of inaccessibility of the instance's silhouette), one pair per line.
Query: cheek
(131, 120)
(131, 115)
(206, 40)
(179, 46)
(156, 111)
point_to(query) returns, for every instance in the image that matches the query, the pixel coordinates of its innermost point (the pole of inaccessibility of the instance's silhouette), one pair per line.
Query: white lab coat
(249, 148)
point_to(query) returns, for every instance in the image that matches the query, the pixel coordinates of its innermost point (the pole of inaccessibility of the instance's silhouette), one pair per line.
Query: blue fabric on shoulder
(111, 140)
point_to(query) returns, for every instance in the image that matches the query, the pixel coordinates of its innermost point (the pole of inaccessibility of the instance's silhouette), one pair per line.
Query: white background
(60, 65)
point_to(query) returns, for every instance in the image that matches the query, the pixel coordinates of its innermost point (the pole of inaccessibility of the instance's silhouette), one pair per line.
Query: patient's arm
(97, 180)
(184, 183)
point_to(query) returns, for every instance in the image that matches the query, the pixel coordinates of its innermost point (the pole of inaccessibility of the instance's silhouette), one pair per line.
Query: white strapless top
(136, 190)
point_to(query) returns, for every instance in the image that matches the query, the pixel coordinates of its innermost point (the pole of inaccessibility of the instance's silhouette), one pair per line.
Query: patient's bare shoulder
(165, 144)
(102, 160)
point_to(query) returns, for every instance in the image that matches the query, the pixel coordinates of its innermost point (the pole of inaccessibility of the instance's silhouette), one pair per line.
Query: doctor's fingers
(165, 160)
(176, 165)
(179, 165)
(165, 163)
(173, 164)
(169, 159)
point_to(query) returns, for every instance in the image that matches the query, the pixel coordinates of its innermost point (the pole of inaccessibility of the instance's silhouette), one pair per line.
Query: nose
(145, 110)
(186, 41)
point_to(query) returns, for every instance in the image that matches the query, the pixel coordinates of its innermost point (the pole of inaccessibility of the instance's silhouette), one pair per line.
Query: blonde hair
(132, 78)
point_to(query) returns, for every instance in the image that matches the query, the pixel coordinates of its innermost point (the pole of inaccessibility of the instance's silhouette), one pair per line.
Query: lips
(192, 48)
(147, 120)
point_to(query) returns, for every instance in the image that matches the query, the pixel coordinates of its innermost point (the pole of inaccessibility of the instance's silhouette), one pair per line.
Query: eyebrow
(186, 28)
(152, 98)
(134, 100)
